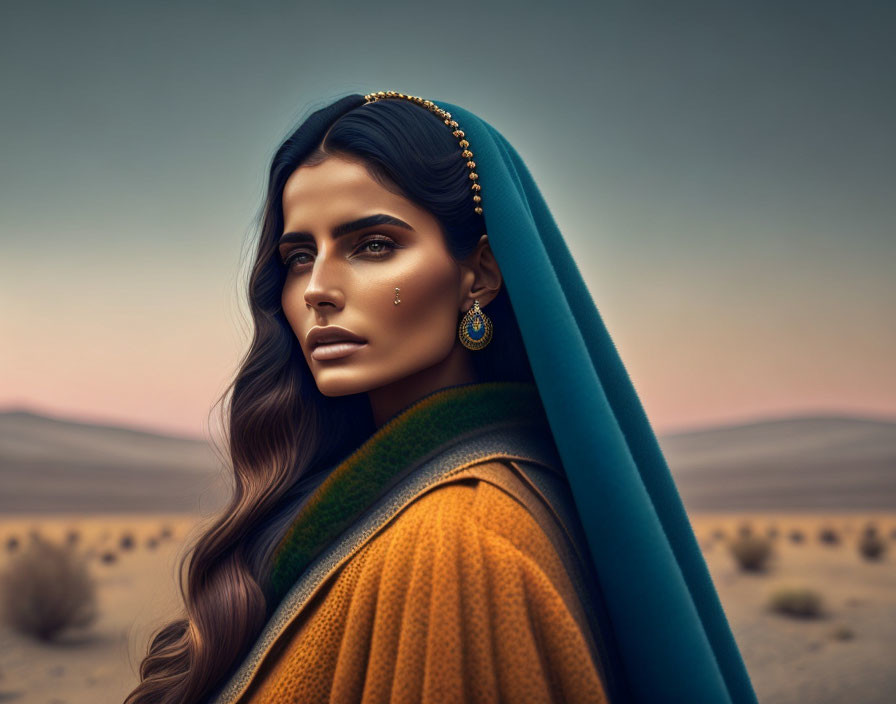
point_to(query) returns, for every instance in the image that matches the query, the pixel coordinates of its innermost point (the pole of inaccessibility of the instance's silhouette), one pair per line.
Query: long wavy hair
(282, 435)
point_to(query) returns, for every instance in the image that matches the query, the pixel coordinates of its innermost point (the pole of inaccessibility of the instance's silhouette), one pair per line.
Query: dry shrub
(752, 552)
(843, 632)
(152, 543)
(107, 557)
(772, 531)
(127, 541)
(829, 536)
(800, 602)
(47, 589)
(12, 543)
(73, 536)
(872, 546)
(745, 529)
(796, 536)
(166, 532)
(718, 534)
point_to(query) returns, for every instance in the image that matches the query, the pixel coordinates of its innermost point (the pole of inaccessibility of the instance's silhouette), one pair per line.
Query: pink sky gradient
(692, 363)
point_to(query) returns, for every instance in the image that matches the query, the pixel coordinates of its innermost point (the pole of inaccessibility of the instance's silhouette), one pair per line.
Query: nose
(323, 290)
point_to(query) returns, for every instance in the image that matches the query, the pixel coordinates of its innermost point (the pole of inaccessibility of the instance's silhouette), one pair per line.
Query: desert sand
(789, 659)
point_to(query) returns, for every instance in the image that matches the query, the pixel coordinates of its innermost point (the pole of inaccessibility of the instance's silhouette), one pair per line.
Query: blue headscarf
(674, 641)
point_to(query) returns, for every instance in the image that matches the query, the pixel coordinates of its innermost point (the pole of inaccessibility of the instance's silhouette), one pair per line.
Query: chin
(344, 382)
(333, 383)
(349, 379)
(344, 377)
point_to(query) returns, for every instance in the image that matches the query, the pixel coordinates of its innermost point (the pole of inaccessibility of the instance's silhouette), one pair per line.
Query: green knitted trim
(411, 435)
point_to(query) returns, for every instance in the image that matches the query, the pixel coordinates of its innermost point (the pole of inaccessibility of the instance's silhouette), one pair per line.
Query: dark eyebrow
(347, 228)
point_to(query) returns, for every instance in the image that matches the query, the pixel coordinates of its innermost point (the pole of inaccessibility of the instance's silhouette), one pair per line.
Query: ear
(481, 278)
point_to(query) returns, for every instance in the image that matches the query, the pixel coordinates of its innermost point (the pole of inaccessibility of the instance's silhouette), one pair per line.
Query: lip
(331, 333)
(332, 342)
(336, 350)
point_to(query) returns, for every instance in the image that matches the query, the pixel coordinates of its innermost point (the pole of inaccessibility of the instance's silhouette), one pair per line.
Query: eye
(377, 246)
(385, 245)
(291, 257)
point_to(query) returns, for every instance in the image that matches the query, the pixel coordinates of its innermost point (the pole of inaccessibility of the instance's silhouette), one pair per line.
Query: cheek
(422, 325)
(292, 300)
(428, 310)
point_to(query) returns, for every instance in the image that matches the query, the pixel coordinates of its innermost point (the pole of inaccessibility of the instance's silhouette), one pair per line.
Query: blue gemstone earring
(475, 329)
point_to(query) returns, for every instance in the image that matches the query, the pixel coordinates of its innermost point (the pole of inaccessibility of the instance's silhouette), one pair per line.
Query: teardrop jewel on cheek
(397, 299)
(475, 329)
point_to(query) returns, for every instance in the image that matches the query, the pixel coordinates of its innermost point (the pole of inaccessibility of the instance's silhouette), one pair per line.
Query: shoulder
(459, 598)
(470, 567)
(469, 508)
(480, 516)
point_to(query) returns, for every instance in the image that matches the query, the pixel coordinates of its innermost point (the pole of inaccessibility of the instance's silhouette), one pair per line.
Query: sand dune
(818, 463)
(51, 465)
(824, 463)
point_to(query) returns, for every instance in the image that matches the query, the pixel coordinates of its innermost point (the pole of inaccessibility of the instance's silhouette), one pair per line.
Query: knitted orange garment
(461, 598)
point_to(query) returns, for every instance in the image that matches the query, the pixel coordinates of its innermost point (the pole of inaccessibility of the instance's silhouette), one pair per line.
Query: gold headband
(446, 118)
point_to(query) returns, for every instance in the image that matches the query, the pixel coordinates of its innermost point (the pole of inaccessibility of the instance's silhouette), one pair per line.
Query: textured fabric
(673, 639)
(412, 433)
(460, 598)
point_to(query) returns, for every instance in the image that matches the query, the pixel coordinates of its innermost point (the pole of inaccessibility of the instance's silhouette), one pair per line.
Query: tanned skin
(412, 348)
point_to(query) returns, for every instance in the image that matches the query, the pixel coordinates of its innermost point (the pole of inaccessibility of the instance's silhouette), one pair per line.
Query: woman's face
(342, 271)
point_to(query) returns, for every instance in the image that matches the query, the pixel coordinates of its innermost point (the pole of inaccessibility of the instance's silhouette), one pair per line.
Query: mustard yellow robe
(441, 561)
(462, 597)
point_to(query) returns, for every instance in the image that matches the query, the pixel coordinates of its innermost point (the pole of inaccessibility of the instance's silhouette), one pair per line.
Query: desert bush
(772, 532)
(47, 589)
(745, 529)
(752, 552)
(718, 534)
(73, 536)
(870, 528)
(166, 532)
(800, 602)
(127, 541)
(12, 543)
(107, 557)
(152, 543)
(796, 536)
(872, 546)
(828, 536)
(843, 632)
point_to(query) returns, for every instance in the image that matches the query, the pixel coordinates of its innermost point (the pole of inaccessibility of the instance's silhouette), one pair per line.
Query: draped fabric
(461, 598)
(442, 560)
(674, 639)
(669, 631)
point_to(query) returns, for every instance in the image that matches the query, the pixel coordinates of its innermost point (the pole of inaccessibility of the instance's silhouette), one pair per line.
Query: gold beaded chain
(446, 118)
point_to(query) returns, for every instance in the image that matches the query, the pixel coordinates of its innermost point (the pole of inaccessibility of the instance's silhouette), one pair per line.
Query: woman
(446, 487)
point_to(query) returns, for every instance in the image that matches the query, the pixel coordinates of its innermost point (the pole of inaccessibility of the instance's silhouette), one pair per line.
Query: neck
(455, 369)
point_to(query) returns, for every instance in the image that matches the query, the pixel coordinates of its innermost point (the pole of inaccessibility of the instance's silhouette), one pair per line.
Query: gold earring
(475, 329)
(397, 299)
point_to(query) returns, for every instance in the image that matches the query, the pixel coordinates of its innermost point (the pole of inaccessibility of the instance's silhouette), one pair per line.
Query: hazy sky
(724, 174)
